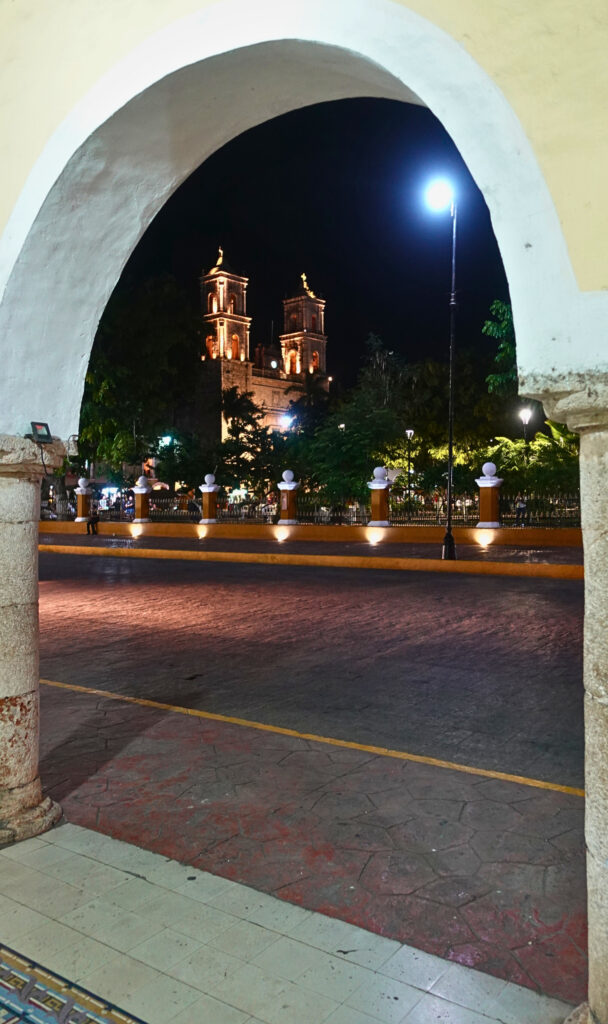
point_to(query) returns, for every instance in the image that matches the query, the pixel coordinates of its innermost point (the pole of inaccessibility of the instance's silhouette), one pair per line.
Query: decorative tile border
(29, 994)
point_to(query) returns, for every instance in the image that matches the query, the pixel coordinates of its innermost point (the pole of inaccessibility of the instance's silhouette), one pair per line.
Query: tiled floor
(168, 942)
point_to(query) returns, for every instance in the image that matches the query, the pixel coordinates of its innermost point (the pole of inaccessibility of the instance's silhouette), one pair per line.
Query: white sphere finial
(83, 483)
(288, 476)
(142, 481)
(209, 479)
(380, 473)
(488, 469)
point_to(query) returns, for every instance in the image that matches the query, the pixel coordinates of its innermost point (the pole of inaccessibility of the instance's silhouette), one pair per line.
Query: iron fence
(246, 512)
(430, 510)
(420, 510)
(539, 509)
(173, 508)
(311, 509)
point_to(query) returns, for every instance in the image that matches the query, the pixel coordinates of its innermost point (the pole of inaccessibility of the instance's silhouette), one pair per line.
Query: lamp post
(409, 434)
(440, 196)
(525, 416)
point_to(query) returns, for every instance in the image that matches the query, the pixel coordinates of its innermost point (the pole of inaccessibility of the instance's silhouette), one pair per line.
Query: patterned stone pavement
(483, 872)
(477, 870)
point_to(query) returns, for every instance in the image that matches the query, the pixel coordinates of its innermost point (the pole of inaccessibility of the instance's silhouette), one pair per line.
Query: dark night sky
(336, 190)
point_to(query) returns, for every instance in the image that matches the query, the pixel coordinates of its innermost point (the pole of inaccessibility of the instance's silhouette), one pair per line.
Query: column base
(81, 519)
(487, 526)
(582, 1015)
(287, 522)
(29, 821)
(205, 522)
(379, 522)
(140, 520)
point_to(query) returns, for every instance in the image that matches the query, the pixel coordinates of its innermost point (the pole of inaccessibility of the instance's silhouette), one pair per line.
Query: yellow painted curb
(532, 536)
(401, 755)
(534, 569)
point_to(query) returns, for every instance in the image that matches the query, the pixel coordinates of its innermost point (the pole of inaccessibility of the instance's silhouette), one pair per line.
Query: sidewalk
(171, 943)
(558, 562)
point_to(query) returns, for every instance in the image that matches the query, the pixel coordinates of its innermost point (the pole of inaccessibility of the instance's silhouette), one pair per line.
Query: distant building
(276, 375)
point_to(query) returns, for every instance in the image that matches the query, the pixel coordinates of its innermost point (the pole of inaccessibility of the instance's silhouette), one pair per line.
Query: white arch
(189, 89)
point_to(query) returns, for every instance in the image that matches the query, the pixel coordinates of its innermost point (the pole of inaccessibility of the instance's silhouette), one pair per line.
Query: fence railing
(311, 509)
(540, 509)
(419, 510)
(430, 510)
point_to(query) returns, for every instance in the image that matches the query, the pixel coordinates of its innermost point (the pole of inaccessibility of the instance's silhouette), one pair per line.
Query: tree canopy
(142, 379)
(141, 372)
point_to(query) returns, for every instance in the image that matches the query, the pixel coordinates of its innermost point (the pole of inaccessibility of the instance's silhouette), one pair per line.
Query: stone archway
(112, 164)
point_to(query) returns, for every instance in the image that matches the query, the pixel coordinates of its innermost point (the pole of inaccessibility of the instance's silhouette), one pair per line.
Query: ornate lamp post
(440, 196)
(409, 434)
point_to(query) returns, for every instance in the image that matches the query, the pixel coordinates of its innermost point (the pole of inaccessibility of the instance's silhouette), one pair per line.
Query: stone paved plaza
(481, 672)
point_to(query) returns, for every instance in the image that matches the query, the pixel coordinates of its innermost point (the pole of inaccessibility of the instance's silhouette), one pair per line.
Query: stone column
(142, 500)
(209, 492)
(489, 488)
(379, 487)
(288, 488)
(24, 812)
(587, 413)
(83, 500)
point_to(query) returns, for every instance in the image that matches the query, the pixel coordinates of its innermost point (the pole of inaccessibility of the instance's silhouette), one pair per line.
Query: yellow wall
(547, 56)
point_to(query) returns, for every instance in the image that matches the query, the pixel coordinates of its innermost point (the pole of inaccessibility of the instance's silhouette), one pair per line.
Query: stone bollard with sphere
(209, 492)
(288, 487)
(83, 500)
(142, 500)
(489, 491)
(379, 487)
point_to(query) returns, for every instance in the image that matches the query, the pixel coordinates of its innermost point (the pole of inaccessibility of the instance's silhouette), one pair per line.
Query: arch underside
(124, 170)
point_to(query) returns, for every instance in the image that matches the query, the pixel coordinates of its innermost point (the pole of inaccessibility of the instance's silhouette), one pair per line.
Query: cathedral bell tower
(225, 323)
(304, 341)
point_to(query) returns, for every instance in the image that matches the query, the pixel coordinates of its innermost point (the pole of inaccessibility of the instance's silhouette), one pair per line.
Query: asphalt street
(482, 671)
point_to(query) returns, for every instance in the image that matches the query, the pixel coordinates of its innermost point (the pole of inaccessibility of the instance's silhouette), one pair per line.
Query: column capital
(22, 457)
(580, 400)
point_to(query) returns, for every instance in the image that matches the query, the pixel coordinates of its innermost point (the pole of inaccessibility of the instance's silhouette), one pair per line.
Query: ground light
(439, 196)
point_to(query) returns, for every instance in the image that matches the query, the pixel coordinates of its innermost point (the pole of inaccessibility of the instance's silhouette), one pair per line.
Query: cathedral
(274, 377)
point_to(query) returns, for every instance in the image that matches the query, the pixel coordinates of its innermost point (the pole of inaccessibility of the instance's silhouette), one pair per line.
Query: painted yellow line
(364, 747)
(542, 569)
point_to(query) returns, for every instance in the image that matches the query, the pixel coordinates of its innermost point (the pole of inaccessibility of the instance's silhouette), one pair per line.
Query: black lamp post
(409, 434)
(440, 196)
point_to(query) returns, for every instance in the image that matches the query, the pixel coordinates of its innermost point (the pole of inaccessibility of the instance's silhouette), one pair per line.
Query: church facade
(274, 377)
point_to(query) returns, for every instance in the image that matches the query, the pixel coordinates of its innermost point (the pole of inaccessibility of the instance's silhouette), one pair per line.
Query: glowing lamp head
(273, 364)
(525, 415)
(439, 195)
(286, 422)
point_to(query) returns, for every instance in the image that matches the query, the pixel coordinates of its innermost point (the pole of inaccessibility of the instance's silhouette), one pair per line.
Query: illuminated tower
(224, 302)
(303, 341)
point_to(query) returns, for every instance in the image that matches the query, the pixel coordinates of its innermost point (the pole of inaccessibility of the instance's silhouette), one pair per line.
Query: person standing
(520, 510)
(93, 520)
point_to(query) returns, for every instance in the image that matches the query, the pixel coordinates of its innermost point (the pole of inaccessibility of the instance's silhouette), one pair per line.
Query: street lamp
(525, 416)
(409, 434)
(440, 196)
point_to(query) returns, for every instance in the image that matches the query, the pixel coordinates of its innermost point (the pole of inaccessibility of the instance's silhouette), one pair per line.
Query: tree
(504, 380)
(548, 463)
(251, 453)
(311, 407)
(142, 372)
